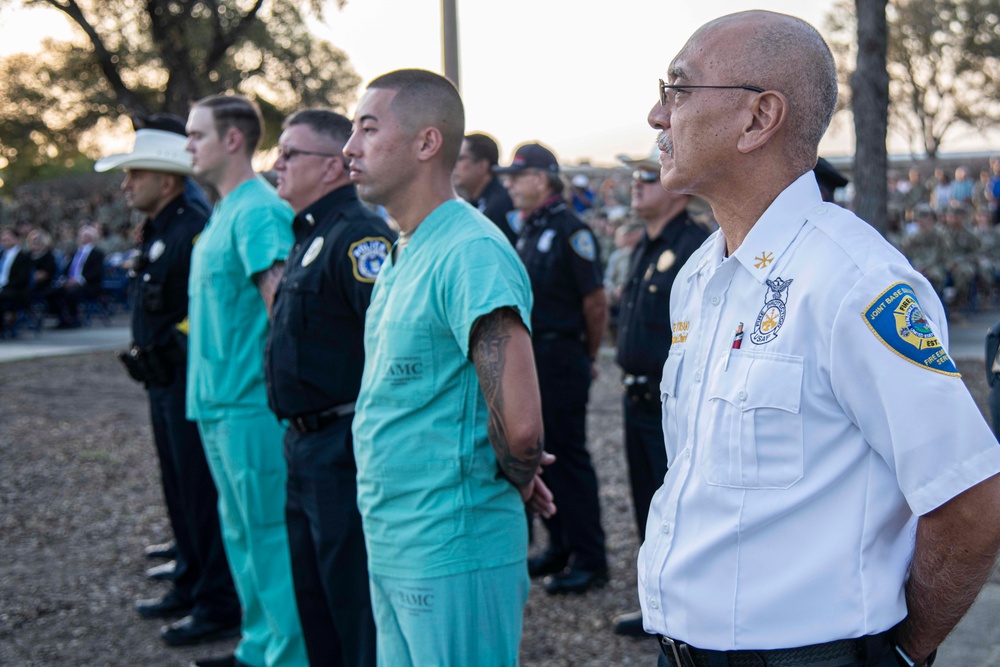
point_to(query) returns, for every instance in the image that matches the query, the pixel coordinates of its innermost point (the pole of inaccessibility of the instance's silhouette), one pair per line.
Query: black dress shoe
(549, 562)
(170, 605)
(190, 630)
(165, 572)
(575, 581)
(166, 550)
(630, 625)
(225, 661)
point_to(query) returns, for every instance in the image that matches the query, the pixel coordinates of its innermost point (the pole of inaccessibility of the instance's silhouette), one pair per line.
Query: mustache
(665, 144)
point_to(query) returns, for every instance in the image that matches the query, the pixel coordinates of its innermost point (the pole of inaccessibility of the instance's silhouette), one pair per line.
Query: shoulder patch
(367, 256)
(583, 244)
(515, 220)
(897, 320)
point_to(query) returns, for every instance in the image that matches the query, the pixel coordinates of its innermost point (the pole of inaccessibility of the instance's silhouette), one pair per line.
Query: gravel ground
(79, 500)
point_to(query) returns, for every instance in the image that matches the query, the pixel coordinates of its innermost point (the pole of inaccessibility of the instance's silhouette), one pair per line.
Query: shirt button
(653, 604)
(742, 395)
(697, 376)
(716, 300)
(666, 529)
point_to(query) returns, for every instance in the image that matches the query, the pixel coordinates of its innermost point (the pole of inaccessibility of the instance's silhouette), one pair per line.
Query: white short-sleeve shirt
(811, 412)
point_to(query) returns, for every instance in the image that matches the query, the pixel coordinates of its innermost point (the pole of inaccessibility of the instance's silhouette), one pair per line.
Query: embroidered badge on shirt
(583, 245)
(666, 260)
(545, 240)
(897, 320)
(516, 221)
(772, 315)
(367, 256)
(313, 252)
(156, 250)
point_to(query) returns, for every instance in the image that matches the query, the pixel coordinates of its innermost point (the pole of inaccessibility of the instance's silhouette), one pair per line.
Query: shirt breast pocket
(754, 429)
(406, 368)
(668, 398)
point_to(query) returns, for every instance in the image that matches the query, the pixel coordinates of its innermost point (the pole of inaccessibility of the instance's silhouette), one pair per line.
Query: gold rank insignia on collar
(764, 260)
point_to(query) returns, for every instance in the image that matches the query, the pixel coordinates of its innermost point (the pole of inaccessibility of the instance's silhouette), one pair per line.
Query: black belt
(547, 336)
(641, 389)
(314, 421)
(679, 654)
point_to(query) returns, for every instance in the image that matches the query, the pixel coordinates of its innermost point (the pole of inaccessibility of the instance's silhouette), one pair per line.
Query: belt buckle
(679, 651)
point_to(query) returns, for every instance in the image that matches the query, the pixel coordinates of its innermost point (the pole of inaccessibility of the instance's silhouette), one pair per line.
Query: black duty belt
(641, 389)
(679, 654)
(314, 421)
(547, 336)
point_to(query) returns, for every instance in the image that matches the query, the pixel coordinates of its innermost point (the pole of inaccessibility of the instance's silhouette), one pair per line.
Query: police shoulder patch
(367, 256)
(583, 244)
(897, 320)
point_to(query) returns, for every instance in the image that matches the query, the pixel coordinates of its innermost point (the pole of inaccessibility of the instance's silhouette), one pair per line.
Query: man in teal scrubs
(235, 267)
(448, 422)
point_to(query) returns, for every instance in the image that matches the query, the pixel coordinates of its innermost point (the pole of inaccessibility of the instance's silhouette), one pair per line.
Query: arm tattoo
(489, 342)
(267, 282)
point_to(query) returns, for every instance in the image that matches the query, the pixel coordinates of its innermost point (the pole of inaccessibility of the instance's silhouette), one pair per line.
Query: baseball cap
(530, 156)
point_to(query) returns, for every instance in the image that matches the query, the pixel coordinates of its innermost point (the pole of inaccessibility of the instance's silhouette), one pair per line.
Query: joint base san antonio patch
(897, 320)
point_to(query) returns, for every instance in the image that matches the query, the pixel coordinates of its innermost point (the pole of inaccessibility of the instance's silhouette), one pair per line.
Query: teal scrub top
(250, 229)
(431, 498)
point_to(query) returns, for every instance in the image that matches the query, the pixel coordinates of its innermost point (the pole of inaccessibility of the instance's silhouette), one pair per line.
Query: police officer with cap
(644, 336)
(156, 172)
(568, 321)
(475, 181)
(314, 360)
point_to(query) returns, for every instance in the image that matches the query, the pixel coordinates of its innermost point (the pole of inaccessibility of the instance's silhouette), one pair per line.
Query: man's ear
(428, 142)
(234, 140)
(768, 113)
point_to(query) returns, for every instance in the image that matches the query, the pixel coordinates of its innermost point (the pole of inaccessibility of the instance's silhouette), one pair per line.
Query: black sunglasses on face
(645, 176)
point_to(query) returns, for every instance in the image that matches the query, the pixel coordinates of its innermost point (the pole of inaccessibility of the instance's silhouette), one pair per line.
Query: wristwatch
(904, 660)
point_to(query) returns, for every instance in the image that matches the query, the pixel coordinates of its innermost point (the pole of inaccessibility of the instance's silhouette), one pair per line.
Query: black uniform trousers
(192, 506)
(646, 455)
(329, 560)
(720, 660)
(564, 382)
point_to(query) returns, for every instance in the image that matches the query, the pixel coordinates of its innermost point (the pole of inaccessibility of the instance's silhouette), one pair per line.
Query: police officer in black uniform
(568, 321)
(474, 179)
(993, 375)
(155, 185)
(314, 360)
(644, 337)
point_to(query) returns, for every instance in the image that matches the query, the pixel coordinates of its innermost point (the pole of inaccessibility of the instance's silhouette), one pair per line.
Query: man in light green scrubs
(235, 266)
(448, 422)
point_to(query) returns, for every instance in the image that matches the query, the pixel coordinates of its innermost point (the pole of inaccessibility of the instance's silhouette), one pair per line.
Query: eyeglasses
(287, 154)
(664, 87)
(645, 176)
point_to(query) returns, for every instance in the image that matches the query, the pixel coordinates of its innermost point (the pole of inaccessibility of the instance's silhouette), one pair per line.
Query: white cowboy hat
(155, 150)
(650, 162)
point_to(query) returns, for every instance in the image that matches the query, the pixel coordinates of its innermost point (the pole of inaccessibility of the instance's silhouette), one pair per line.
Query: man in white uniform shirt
(820, 436)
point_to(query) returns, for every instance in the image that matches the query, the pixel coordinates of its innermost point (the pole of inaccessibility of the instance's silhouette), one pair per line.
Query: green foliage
(943, 62)
(141, 56)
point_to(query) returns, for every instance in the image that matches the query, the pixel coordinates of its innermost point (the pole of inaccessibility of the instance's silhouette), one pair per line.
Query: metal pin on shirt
(736, 344)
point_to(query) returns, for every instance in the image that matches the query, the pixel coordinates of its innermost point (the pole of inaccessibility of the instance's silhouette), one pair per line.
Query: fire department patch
(896, 319)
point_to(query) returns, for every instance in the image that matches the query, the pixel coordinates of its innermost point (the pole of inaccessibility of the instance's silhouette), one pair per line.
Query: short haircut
(483, 147)
(787, 54)
(236, 111)
(425, 99)
(322, 121)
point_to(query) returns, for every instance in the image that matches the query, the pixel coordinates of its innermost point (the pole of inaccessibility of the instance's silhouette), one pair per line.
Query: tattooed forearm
(490, 338)
(267, 282)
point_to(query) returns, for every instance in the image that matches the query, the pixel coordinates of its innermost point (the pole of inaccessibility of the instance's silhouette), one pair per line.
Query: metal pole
(449, 38)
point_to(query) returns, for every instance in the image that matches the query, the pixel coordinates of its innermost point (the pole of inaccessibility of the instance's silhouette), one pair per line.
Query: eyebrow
(676, 72)
(367, 116)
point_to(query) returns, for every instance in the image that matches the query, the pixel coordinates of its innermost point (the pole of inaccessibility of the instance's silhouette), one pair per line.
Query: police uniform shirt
(315, 347)
(495, 204)
(560, 255)
(644, 319)
(159, 289)
(802, 451)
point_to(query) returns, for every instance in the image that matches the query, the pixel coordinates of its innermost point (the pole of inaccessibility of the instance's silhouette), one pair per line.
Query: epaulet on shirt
(896, 319)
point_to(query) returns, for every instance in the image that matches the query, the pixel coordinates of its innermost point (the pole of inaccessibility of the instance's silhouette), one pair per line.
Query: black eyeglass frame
(664, 87)
(287, 154)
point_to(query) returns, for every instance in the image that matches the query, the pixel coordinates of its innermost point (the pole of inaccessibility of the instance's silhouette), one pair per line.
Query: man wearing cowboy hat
(156, 173)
